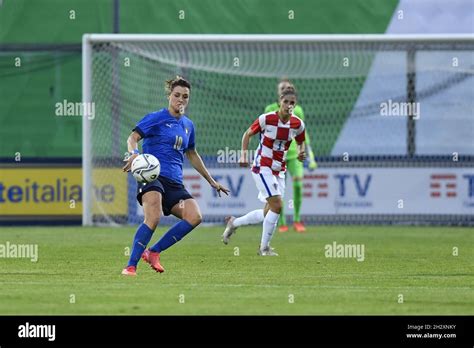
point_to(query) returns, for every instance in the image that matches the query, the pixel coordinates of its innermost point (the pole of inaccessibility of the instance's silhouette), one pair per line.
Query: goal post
(86, 137)
(370, 101)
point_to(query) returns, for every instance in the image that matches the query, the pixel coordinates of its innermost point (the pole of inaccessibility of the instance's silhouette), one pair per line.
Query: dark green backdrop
(28, 93)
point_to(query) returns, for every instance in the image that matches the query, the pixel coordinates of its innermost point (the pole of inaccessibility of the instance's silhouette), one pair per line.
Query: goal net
(370, 101)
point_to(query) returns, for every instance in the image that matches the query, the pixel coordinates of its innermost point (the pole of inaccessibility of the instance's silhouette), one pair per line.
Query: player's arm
(197, 163)
(132, 147)
(243, 161)
(255, 128)
(300, 141)
(142, 130)
(301, 151)
(312, 164)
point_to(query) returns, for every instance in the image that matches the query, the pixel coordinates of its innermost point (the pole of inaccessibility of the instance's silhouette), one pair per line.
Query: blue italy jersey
(167, 138)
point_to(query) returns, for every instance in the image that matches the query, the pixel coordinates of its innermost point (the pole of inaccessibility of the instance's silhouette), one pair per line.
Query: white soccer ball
(145, 168)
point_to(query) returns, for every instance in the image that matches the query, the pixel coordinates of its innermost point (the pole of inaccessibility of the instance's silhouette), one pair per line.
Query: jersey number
(178, 143)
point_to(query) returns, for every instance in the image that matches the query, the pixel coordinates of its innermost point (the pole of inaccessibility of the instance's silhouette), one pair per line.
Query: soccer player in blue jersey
(167, 134)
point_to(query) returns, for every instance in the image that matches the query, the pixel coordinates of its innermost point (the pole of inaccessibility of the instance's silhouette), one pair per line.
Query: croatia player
(276, 130)
(295, 167)
(167, 134)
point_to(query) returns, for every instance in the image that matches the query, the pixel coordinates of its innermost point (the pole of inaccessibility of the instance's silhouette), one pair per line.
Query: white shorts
(268, 185)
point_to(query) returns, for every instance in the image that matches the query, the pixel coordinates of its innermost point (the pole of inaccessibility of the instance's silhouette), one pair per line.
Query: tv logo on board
(321, 184)
(193, 185)
(234, 186)
(361, 185)
(470, 190)
(443, 185)
(348, 183)
(470, 184)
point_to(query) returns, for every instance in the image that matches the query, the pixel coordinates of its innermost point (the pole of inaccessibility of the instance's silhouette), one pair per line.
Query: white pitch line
(322, 286)
(356, 288)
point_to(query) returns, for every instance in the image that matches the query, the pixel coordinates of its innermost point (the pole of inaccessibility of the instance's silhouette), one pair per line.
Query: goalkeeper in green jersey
(294, 166)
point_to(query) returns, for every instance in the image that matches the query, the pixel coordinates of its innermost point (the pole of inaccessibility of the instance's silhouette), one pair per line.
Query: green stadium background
(28, 95)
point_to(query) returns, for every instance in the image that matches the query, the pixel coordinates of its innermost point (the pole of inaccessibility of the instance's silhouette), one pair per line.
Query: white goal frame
(89, 39)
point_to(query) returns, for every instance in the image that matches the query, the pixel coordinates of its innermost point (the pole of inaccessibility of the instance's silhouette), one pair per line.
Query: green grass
(416, 262)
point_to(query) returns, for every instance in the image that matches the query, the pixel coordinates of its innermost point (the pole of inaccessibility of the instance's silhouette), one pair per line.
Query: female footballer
(295, 167)
(277, 130)
(167, 134)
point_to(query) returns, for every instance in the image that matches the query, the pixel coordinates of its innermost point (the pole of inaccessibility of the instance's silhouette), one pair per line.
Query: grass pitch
(78, 272)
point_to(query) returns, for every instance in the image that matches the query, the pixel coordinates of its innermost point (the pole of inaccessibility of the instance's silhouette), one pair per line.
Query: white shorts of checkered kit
(268, 185)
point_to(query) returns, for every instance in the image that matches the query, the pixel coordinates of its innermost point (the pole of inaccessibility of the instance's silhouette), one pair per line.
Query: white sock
(269, 226)
(254, 217)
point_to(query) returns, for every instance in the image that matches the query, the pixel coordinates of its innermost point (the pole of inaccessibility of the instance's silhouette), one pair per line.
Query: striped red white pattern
(275, 139)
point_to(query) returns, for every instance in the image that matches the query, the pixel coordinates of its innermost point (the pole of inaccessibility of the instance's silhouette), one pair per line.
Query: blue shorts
(171, 192)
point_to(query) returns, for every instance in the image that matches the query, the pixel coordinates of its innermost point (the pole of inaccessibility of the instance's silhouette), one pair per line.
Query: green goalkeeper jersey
(298, 111)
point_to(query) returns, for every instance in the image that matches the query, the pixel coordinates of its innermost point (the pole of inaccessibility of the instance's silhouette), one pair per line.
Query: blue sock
(175, 234)
(142, 238)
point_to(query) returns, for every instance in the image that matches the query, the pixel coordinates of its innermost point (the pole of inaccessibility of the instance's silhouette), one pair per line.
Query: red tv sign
(193, 183)
(321, 184)
(443, 184)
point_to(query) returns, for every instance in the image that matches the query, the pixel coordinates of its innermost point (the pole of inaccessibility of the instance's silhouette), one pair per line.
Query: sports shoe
(229, 229)
(283, 229)
(267, 251)
(153, 259)
(130, 271)
(299, 227)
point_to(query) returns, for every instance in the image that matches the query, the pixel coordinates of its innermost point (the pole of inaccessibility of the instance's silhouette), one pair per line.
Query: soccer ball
(145, 168)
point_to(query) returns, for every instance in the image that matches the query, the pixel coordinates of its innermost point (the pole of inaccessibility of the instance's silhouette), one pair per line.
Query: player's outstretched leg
(141, 240)
(153, 258)
(232, 223)
(151, 202)
(189, 211)
(229, 229)
(174, 235)
(269, 226)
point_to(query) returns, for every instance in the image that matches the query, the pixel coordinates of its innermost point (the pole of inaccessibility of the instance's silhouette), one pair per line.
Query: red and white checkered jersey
(275, 139)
